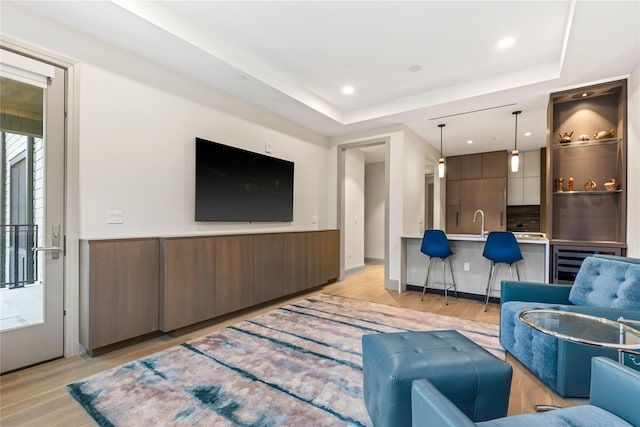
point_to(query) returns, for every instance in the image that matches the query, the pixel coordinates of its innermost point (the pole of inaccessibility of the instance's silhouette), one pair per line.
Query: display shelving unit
(580, 223)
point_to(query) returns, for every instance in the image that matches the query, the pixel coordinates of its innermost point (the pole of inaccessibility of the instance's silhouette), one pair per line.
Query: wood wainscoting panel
(295, 262)
(332, 270)
(234, 273)
(269, 267)
(188, 281)
(119, 290)
(317, 256)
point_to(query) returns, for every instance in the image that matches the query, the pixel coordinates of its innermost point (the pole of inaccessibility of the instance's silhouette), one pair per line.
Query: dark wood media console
(134, 287)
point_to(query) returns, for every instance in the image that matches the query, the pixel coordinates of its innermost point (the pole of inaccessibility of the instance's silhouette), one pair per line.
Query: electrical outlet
(466, 266)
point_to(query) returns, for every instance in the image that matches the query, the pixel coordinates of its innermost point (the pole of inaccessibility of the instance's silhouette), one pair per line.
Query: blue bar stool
(436, 245)
(501, 247)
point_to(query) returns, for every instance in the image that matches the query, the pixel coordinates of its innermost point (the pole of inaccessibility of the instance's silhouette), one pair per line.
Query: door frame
(342, 148)
(71, 191)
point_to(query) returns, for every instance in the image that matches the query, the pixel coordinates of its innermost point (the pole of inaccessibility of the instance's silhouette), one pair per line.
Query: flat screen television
(239, 185)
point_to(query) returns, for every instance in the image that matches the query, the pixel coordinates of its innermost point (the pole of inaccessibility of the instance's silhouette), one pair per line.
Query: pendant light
(514, 154)
(441, 159)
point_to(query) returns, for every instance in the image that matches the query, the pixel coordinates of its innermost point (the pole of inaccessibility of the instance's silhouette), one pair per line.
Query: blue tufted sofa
(613, 403)
(605, 286)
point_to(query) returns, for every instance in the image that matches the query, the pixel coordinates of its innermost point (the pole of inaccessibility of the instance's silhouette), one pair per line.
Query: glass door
(32, 129)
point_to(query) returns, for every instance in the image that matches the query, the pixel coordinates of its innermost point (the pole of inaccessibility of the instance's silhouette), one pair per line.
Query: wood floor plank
(37, 396)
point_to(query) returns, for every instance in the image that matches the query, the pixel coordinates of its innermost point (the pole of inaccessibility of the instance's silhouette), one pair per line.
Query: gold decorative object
(570, 184)
(559, 185)
(566, 137)
(584, 137)
(590, 185)
(603, 134)
(611, 185)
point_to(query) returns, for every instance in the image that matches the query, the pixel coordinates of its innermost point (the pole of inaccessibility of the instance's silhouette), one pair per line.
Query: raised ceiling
(416, 63)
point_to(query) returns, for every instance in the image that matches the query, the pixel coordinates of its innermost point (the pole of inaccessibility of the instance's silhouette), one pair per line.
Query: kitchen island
(470, 268)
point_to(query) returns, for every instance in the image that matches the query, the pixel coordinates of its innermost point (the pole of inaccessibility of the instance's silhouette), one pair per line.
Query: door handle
(45, 249)
(55, 241)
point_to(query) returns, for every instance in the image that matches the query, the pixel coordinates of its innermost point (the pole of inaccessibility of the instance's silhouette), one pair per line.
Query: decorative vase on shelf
(584, 137)
(565, 137)
(611, 185)
(570, 184)
(590, 185)
(559, 185)
(603, 134)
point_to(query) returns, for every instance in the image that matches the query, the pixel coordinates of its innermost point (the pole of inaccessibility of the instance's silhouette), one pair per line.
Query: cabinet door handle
(457, 223)
(501, 218)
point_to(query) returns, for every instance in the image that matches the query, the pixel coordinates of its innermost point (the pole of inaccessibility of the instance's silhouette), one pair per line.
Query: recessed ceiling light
(348, 90)
(415, 68)
(527, 134)
(470, 141)
(581, 95)
(505, 42)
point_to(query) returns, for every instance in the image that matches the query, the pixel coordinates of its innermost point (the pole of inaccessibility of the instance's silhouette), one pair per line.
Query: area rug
(299, 365)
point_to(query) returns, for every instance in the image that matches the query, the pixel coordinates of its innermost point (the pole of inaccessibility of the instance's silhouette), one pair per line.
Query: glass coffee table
(622, 335)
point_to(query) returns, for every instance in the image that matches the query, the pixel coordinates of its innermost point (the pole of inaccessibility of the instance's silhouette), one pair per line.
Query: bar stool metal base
(491, 276)
(446, 286)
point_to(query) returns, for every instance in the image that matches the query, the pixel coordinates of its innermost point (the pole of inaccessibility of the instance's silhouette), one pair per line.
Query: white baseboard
(354, 270)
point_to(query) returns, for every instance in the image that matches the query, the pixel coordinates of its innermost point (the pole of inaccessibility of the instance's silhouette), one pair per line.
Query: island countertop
(533, 237)
(470, 268)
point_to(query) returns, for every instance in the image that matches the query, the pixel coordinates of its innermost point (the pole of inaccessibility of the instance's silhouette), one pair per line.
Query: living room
(134, 120)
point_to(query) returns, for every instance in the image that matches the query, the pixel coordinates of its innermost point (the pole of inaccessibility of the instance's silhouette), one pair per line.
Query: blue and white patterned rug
(299, 365)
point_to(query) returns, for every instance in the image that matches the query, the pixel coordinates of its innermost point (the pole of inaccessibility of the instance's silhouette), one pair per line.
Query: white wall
(415, 151)
(353, 226)
(137, 155)
(398, 201)
(374, 193)
(633, 159)
(136, 129)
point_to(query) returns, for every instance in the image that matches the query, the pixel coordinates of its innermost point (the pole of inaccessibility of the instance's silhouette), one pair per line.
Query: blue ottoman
(473, 379)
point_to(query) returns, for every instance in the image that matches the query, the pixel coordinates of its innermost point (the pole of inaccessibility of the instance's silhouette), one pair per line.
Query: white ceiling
(292, 58)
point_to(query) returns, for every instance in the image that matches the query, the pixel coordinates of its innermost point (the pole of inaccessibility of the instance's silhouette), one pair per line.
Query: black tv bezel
(256, 215)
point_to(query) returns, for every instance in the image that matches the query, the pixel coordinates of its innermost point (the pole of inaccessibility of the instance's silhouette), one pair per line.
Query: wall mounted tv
(238, 185)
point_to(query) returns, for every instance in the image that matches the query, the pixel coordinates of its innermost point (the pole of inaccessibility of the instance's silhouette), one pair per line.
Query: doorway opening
(32, 197)
(363, 176)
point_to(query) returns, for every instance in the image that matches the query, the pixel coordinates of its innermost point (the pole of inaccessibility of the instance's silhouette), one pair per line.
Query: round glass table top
(584, 328)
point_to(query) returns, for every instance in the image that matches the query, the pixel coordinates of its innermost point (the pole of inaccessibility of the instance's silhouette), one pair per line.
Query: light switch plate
(114, 217)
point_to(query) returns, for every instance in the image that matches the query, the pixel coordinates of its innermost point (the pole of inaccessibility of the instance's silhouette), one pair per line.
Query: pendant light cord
(515, 113)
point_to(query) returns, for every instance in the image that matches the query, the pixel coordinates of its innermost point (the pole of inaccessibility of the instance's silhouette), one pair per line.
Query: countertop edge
(472, 238)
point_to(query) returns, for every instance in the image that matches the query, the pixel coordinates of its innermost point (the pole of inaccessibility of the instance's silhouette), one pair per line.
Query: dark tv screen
(239, 185)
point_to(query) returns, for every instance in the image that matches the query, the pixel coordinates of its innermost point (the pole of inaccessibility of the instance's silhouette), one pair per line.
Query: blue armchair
(614, 393)
(605, 286)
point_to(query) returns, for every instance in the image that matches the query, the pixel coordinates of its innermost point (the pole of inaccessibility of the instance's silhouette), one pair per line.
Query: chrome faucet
(474, 220)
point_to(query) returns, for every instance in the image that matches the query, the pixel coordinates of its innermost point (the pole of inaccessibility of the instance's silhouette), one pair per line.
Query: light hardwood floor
(37, 397)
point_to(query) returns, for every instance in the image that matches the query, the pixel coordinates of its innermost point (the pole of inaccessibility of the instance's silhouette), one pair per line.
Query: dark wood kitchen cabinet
(479, 182)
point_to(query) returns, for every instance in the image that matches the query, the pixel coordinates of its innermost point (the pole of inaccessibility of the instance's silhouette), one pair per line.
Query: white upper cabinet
(523, 187)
